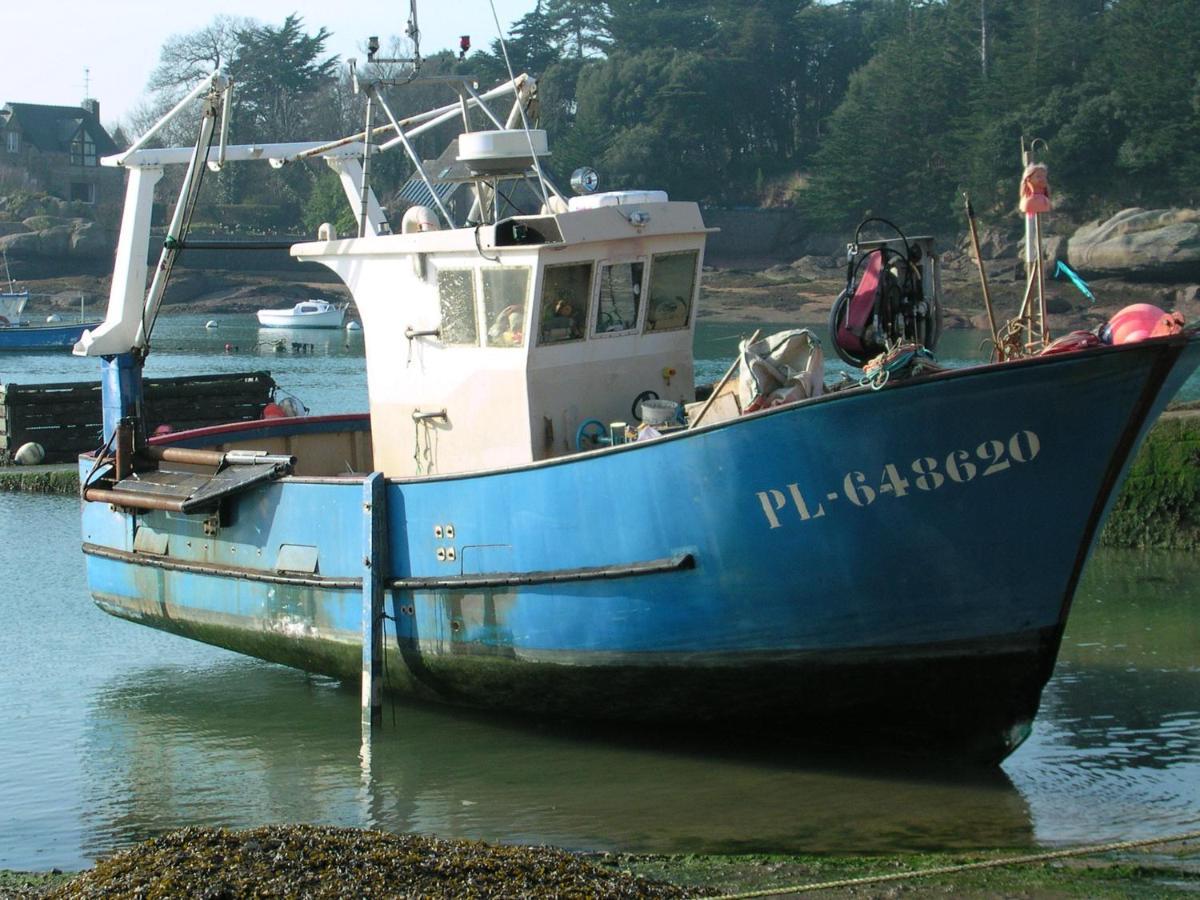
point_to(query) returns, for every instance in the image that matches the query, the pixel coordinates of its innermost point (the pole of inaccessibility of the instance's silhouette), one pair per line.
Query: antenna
(414, 34)
(87, 83)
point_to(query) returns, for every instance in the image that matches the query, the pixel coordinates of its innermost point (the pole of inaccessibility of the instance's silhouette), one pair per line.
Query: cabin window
(504, 292)
(620, 297)
(14, 142)
(456, 292)
(672, 283)
(565, 293)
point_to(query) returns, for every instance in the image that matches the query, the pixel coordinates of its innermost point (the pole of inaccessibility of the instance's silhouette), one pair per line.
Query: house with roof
(59, 148)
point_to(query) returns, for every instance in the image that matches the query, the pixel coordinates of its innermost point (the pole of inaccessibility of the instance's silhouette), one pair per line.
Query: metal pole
(366, 170)
(374, 562)
(416, 159)
(1041, 278)
(724, 380)
(987, 294)
(121, 393)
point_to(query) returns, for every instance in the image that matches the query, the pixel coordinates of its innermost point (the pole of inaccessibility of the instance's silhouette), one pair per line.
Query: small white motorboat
(306, 314)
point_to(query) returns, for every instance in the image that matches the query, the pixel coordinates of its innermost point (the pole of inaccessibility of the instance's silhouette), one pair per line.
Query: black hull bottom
(971, 701)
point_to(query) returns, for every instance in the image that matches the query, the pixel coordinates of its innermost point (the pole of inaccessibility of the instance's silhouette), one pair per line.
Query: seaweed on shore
(306, 861)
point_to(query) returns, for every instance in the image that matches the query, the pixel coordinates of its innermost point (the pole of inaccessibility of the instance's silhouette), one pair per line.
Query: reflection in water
(1115, 753)
(246, 743)
(111, 733)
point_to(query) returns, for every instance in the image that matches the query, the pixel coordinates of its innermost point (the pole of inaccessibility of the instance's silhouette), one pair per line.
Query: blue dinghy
(17, 334)
(887, 567)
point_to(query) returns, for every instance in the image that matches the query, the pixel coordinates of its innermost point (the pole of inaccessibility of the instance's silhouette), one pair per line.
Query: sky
(47, 44)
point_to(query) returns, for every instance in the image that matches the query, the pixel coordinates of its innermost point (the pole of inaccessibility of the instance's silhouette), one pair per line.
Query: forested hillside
(889, 107)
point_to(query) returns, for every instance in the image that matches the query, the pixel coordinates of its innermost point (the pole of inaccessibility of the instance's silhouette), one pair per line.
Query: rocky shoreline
(1135, 256)
(799, 293)
(803, 292)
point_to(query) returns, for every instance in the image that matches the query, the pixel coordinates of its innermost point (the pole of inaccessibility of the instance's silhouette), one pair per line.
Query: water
(329, 379)
(111, 733)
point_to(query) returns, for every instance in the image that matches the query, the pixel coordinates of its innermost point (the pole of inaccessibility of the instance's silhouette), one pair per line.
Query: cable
(1085, 850)
(521, 107)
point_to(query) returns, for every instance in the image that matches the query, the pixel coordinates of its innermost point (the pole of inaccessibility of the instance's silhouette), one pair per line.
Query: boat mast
(12, 287)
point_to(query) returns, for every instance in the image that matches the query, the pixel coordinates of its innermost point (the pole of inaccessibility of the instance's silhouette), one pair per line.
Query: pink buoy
(1136, 323)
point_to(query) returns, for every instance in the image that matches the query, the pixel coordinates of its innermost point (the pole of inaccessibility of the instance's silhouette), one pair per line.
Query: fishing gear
(886, 300)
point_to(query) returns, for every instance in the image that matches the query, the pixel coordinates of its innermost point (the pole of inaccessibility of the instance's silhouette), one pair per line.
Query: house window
(565, 294)
(620, 297)
(456, 291)
(83, 192)
(14, 142)
(83, 149)
(672, 283)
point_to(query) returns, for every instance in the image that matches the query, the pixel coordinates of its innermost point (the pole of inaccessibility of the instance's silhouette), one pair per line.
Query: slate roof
(51, 128)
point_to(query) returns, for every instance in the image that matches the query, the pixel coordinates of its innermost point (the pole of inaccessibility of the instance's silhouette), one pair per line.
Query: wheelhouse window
(83, 149)
(565, 293)
(456, 294)
(620, 297)
(672, 283)
(504, 293)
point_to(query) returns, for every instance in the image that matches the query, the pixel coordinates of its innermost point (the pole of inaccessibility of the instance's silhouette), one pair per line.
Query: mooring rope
(1085, 850)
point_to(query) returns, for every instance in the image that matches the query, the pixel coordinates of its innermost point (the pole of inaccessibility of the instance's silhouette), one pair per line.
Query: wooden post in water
(374, 565)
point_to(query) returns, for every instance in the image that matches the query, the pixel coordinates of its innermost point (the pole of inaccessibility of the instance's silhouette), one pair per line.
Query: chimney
(92, 106)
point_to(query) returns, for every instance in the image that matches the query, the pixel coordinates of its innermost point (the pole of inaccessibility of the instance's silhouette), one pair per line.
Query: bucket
(658, 412)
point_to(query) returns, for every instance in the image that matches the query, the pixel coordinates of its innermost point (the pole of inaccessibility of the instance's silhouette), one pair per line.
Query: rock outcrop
(1156, 244)
(50, 237)
(41, 231)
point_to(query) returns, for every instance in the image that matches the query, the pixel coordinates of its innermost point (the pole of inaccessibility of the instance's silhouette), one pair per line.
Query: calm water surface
(111, 733)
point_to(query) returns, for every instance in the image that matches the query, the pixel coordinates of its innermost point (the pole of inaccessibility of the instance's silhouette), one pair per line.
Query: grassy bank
(62, 479)
(195, 861)
(1159, 504)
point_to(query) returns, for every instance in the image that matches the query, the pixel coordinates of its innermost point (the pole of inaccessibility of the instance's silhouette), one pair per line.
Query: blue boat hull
(890, 568)
(42, 337)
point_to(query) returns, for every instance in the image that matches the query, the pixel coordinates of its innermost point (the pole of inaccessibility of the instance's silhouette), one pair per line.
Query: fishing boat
(314, 313)
(18, 334)
(889, 565)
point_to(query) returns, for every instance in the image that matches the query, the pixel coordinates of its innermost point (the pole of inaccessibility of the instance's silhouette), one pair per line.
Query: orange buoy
(274, 411)
(1139, 321)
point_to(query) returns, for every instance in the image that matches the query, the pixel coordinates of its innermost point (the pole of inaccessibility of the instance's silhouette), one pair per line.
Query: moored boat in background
(314, 313)
(889, 565)
(17, 334)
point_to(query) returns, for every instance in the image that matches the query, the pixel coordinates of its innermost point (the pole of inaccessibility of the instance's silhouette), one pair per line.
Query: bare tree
(186, 58)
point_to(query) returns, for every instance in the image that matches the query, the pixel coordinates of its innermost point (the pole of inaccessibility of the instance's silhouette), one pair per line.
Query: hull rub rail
(677, 563)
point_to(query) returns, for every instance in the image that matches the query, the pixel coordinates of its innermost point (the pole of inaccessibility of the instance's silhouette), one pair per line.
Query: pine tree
(579, 26)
